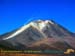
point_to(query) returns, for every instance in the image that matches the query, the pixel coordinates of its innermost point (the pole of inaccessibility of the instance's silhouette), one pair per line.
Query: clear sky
(15, 13)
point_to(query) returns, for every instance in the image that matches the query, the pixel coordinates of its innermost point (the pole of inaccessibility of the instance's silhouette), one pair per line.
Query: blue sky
(15, 13)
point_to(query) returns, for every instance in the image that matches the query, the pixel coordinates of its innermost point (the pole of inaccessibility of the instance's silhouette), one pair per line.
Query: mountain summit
(39, 25)
(39, 34)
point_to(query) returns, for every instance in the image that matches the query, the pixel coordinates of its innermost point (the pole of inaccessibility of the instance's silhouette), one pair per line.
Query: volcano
(39, 35)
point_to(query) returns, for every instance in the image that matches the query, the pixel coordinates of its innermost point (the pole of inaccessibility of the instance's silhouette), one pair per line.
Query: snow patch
(17, 32)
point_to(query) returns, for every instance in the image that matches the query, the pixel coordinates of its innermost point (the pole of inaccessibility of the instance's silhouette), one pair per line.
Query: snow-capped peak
(49, 21)
(40, 24)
